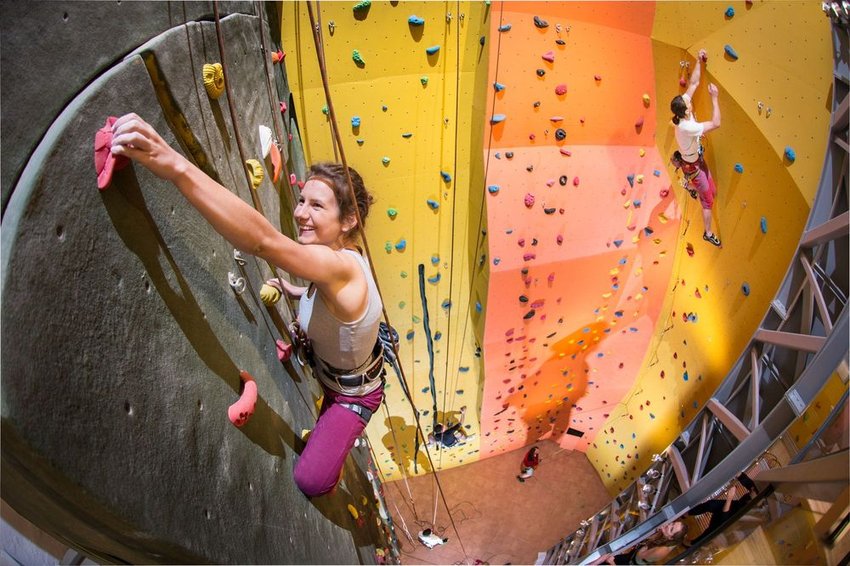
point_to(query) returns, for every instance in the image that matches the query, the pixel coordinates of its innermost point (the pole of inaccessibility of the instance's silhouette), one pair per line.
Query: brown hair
(658, 539)
(679, 108)
(333, 174)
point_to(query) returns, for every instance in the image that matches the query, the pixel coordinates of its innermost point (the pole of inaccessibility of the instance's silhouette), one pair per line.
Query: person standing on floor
(529, 463)
(341, 309)
(688, 135)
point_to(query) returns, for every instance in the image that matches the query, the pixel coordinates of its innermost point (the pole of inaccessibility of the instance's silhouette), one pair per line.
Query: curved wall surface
(122, 338)
(607, 320)
(418, 150)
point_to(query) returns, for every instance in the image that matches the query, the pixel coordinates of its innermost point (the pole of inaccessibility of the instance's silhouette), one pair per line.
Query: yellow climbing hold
(662, 218)
(255, 170)
(642, 152)
(639, 178)
(213, 79)
(305, 432)
(353, 511)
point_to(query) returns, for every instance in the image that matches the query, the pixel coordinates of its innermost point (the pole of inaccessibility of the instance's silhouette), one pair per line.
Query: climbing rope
(317, 38)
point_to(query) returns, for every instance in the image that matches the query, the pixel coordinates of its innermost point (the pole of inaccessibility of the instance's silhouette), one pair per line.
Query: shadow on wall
(400, 442)
(547, 415)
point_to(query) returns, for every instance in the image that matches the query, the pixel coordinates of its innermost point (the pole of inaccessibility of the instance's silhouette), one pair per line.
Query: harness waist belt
(367, 372)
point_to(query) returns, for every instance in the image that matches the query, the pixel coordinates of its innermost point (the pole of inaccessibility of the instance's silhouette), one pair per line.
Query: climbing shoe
(713, 239)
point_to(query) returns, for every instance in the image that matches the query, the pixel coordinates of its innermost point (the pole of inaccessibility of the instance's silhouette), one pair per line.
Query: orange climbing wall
(437, 100)
(785, 62)
(579, 274)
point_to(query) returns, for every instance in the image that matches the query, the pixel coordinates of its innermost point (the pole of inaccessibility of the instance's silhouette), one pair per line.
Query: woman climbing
(339, 312)
(690, 155)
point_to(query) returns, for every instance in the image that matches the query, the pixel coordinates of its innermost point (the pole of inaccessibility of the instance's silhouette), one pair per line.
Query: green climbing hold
(388, 247)
(355, 55)
(385, 160)
(392, 213)
(362, 6)
(424, 80)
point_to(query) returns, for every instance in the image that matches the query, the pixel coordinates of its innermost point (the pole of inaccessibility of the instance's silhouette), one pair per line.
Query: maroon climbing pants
(317, 470)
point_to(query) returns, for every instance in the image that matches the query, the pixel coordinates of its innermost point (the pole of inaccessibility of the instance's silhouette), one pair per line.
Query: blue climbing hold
(401, 245)
(648, 231)
(493, 189)
(497, 155)
(685, 376)
(410, 334)
(763, 225)
(498, 87)
(745, 289)
(631, 180)
(739, 168)
(433, 49)
(656, 172)
(435, 259)
(446, 177)
(433, 204)
(730, 12)
(730, 52)
(497, 118)
(415, 21)
(636, 203)
(618, 243)
(447, 304)
(355, 122)
(463, 369)
(505, 27)
(478, 307)
(790, 154)
(497, 261)
(438, 335)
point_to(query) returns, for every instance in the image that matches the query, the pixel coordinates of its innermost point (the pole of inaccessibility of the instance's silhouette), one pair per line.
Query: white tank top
(343, 345)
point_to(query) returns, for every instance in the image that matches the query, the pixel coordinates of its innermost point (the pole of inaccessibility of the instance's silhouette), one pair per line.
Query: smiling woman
(339, 312)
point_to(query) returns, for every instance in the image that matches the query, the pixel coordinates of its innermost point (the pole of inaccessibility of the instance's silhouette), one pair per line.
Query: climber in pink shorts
(688, 133)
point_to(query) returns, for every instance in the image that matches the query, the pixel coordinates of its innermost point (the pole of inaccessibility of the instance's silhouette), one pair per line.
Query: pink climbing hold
(559, 239)
(556, 119)
(682, 82)
(284, 350)
(550, 182)
(240, 412)
(282, 107)
(561, 89)
(549, 56)
(565, 151)
(528, 257)
(639, 123)
(529, 200)
(597, 77)
(521, 242)
(551, 277)
(575, 182)
(292, 179)
(531, 137)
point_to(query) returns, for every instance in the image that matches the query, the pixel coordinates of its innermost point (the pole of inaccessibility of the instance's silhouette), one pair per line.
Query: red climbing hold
(561, 89)
(277, 56)
(104, 162)
(565, 151)
(529, 200)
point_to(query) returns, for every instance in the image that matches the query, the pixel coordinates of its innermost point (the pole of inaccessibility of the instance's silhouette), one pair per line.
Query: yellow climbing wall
(420, 116)
(785, 63)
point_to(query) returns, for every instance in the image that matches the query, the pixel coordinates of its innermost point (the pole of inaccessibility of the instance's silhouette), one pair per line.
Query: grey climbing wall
(122, 339)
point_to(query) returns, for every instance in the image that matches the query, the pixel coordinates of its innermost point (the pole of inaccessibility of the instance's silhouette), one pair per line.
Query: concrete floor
(499, 519)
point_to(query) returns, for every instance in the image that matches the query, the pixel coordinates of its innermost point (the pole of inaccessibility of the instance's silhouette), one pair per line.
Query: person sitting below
(529, 462)
(446, 437)
(430, 539)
